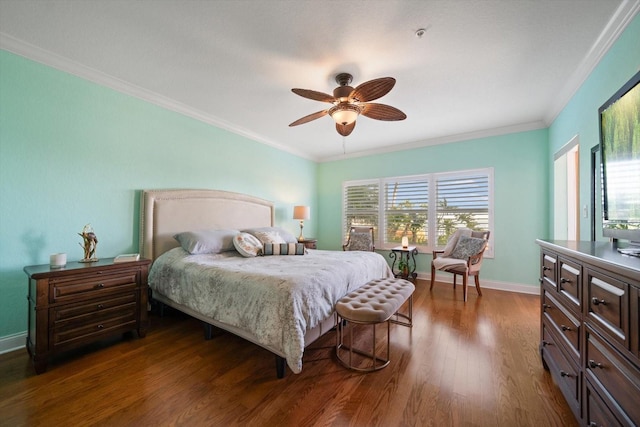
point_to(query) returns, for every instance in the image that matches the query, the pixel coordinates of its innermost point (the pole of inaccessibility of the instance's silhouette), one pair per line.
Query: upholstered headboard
(163, 213)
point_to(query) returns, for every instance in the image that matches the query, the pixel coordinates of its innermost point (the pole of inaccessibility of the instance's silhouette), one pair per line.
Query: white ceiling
(482, 67)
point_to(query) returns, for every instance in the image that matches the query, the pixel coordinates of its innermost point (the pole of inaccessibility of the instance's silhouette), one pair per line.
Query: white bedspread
(275, 298)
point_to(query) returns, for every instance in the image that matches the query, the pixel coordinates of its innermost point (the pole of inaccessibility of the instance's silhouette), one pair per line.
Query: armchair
(462, 256)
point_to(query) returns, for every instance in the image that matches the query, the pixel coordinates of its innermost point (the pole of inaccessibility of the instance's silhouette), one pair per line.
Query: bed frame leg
(208, 331)
(280, 366)
(161, 308)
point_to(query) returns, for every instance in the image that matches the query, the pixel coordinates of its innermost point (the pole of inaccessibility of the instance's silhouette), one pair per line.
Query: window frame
(432, 208)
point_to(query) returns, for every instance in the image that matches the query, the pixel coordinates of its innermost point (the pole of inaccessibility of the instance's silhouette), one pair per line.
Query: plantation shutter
(406, 205)
(361, 203)
(462, 201)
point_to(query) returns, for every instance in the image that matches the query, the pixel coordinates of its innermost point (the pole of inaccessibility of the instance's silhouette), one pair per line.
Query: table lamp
(301, 213)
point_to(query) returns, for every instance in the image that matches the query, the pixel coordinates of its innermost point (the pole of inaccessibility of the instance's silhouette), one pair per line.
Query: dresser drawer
(70, 311)
(597, 412)
(549, 265)
(81, 286)
(564, 323)
(565, 373)
(569, 282)
(616, 378)
(607, 304)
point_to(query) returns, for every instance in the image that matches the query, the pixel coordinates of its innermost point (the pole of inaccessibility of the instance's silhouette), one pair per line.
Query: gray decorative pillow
(360, 241)
(286, 236)
(206, 241)
(467, 246)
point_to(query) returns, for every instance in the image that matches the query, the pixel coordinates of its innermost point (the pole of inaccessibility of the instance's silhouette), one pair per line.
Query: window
(362, 205)
(425, 208)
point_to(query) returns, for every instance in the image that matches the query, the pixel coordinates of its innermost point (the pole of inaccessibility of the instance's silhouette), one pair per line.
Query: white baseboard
(486, 284)
(12, 342)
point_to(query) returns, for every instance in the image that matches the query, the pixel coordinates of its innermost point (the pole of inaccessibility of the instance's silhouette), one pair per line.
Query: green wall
(73, 152)
(580, 116)
(520, 198)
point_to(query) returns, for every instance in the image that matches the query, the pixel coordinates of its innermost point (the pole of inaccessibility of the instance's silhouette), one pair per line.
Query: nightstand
(406, 256)
(309, 243)
(83, 302)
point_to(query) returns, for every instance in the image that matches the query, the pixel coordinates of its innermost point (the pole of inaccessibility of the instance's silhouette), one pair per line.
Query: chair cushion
(467, 247)
(360, 241)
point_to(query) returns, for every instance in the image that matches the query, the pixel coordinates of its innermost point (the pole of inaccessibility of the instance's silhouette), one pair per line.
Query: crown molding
(485, 133)
(625, 13)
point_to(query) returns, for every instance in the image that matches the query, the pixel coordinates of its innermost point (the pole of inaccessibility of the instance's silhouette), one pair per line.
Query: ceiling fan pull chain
(344, 147)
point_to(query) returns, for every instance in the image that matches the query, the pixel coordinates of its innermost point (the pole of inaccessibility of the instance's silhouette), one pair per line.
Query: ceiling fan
(349, 103)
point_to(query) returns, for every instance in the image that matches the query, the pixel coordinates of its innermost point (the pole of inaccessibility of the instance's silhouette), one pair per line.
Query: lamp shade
(344, 116)
(301, 212)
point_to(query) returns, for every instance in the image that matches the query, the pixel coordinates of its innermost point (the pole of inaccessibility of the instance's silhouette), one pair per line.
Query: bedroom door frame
(566, 191)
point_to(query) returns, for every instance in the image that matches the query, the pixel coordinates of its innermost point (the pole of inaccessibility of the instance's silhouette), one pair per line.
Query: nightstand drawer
(78, 287)
(89, 325)
(69, 311)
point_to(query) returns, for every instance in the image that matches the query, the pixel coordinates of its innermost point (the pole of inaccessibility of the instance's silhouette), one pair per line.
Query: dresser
(83, 302)
(590, 329)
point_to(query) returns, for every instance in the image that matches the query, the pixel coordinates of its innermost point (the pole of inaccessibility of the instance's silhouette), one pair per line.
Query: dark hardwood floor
(473, 364)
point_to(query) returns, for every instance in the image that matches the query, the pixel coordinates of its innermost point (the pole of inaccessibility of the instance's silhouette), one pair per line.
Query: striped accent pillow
(283, 249)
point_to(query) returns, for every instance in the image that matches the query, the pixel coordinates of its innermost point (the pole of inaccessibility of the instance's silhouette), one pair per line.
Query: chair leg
(477, 277)
(455, 276)
(433, 275)
(464, 285)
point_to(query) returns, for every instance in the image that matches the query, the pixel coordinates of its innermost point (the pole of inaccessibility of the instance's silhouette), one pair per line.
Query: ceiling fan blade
(382, 112)
(310, 117)
(373, 89)
(345, 130)
(312, 94)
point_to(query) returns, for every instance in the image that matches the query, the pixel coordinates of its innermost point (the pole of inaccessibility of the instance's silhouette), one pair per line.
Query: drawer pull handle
(596, 301)
(100, 326)
(565, 328)
(593, 364)
(593, 424)
(565, 374)
(101, 285)
(539, 280)
(100, 306)
(546, 343)
(563, 280)
(545, 268)
(546, 306)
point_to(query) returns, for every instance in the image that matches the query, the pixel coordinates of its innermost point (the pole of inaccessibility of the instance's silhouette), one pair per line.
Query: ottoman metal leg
(377, 362)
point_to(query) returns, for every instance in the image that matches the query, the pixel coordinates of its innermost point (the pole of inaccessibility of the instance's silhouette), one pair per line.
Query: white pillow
(286, 236)
(269, 237)
(247, 244)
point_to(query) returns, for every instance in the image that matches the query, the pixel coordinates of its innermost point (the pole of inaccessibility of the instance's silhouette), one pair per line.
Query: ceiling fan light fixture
(344, 114)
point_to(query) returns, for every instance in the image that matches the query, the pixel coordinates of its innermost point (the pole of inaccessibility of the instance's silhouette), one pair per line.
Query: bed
(281, 303)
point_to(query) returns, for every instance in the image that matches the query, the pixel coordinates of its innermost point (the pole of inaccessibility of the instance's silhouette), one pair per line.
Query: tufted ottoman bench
(376, 302)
